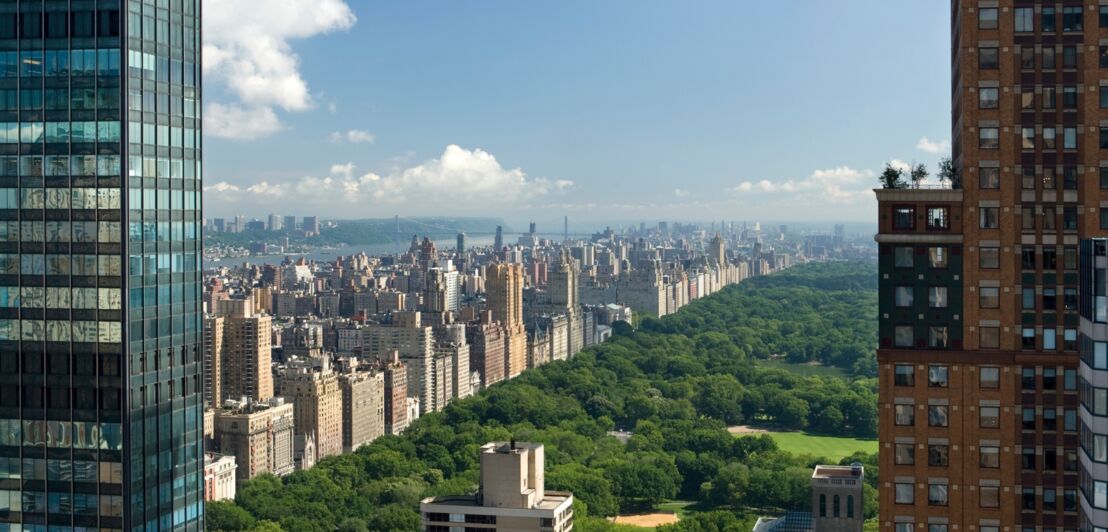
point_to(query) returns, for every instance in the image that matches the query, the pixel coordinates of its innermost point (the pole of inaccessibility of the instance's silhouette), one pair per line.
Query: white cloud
(247, 49)
(232, 121)
(353, 136)
(933, 147)
(458, 180)
(836, 185)
(681, 193)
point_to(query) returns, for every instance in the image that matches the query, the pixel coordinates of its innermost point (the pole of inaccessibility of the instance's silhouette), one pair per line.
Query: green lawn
(829, 447)
(804, 370)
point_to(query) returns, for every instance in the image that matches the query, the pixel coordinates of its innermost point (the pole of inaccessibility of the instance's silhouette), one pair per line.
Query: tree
(948, 172)
(892, 177)
(224, 515)
(729, 487)
(918, 174)
(828, 421)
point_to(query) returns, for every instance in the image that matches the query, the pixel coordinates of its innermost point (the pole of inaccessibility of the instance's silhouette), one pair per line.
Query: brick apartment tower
(979, 284)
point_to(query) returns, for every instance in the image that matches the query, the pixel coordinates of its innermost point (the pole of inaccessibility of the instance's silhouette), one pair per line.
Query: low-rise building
(219, 477)
(512, 495)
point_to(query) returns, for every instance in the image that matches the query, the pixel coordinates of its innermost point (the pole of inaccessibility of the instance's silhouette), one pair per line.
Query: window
(1048, 58)
(905, 337)
(905, 493)
(990, 498)
(1027, 253)
(1103, 17)
(1027, 58)
(1027, 458)
(990, 338)
(938, 218)
(1104, 57)
(1050, 379)
(988, 138)
(1050, 419)
(904, 527)
(937, 495)
(1027, 180)
(1103, 218)
(989, 258)
(1069, 420)
(1069, 298)
(1072, 18)
(904, 375)
(905, 415)
(1049, 97)
(990, 178)
(1050, 138)
(1069, 97)
(1028, 338)
(989, 97)
(905, 454)
(1028, 419)
(990, 457)
(1069, 57)
(904, 217)
(1027, 100)
(903, 256)
(1069, 500)
(987, 18)
(1025, 19)
(989, 417)
(1028, 499)
(989, 296)
(1069, 258)
(1050, 299)
(1049, 219)
(990, 217)
(1027, 379)
(1028, 137)
(1050, 257)
(1069, 218)
(936, 297)
(1069, 138)
(938, 416)
(938, 337)
(1069, 379)
(936, 257)
(988, 58)
(938, 377)
(904, 297)
(938, 455)
(989, 378)
(1069, 339)
(1104, 97)
(1048, 20)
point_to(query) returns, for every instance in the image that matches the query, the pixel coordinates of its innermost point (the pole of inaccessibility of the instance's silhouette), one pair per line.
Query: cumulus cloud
(353, 136)
(247, 49)
(233, 121)
(933, 147)
(681, 193)
(459, 179)
(836, 185)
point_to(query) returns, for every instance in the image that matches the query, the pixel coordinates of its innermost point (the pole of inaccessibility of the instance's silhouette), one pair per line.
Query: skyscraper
(100, 174)
(979, 331)
(504, 293)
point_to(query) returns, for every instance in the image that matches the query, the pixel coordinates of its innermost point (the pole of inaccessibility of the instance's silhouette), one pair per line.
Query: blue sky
(628, 109)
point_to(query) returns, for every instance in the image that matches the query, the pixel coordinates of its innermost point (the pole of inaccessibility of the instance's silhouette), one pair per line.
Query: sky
(596, 110)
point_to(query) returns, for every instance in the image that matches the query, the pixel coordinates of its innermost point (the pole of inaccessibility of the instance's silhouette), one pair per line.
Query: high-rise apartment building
(980, 325)
(258, 435)
(504, 294)
(363, 408)
(317, 404)
(100, 179)
(245, 368)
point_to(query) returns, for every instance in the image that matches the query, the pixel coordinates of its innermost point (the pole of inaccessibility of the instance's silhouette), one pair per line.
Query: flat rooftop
(826, 471)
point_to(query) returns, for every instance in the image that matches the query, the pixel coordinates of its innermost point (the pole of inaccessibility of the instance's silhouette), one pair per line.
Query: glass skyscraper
(100, 195)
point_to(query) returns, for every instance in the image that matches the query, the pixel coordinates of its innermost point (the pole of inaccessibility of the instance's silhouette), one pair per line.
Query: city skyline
(399, 109)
